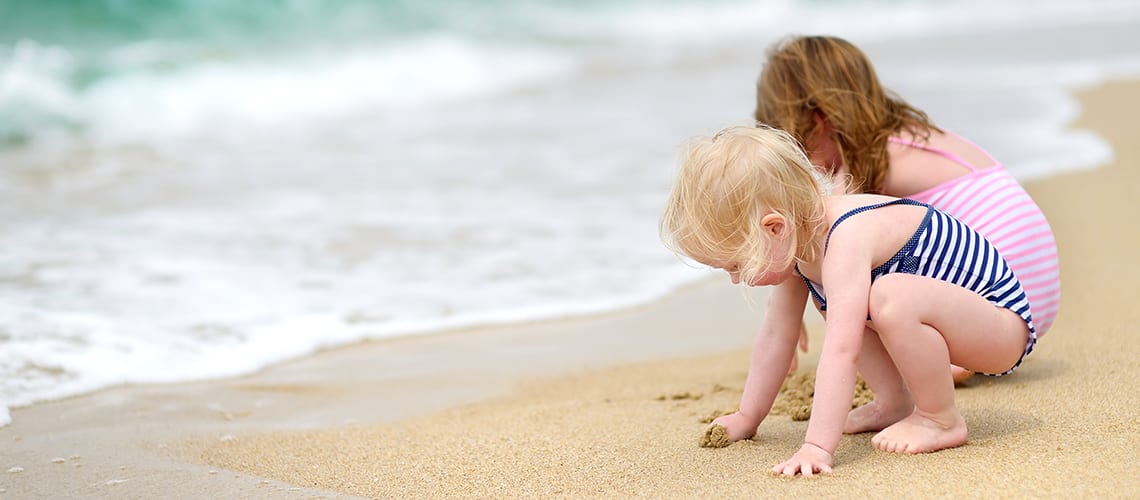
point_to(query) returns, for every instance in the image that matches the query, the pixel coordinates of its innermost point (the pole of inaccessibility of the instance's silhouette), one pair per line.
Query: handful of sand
(716, 436)
(794, 400)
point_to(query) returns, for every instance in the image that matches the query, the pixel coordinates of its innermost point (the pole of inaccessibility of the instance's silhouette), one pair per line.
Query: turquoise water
(102, 24)
(199, 189)
(60, 57)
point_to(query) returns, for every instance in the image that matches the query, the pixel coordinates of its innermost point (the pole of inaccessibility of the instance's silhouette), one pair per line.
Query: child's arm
(847, 279)
(772, 351)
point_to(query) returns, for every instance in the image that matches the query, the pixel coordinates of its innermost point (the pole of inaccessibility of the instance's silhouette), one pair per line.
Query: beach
(614, 405)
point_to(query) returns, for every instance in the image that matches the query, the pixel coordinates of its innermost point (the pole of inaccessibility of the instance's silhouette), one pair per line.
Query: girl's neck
(815, 247)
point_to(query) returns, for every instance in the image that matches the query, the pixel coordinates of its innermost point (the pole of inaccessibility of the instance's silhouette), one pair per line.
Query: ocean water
(194, 189)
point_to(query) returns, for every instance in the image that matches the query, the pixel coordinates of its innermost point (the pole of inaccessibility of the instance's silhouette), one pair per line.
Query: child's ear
(775, 225)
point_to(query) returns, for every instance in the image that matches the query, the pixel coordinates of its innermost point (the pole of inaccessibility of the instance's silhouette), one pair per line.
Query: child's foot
(920, 433)
(875, 416)
(960, 375)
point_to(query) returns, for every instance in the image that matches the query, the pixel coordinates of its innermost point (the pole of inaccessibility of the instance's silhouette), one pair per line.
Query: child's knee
(889, 301)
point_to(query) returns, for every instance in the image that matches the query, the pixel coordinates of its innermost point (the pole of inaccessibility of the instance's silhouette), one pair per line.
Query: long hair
(727, 183)
(806, 74)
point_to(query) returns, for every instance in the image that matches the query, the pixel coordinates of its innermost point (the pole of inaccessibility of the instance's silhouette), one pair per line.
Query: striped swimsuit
(994, 204)
(947, 249)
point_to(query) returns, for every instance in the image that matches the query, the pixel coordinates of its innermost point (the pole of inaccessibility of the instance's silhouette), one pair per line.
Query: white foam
(240, 94)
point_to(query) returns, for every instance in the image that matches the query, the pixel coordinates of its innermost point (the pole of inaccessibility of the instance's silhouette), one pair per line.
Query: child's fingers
(807, 470)
(804, 468)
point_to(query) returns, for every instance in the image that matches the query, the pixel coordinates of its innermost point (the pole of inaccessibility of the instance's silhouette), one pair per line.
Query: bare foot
(920, 433)
(960, 375)
(875, 416)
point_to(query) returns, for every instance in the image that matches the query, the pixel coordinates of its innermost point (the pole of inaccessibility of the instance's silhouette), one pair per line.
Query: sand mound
(794, 399)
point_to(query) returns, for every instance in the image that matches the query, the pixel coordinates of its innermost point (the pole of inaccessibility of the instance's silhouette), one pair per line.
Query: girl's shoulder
(871, 227)
(839, 205)
(918, 164)
(872, 212)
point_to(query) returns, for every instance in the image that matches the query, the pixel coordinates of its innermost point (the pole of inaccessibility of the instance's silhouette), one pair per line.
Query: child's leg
(925, 324)
(803, 345)
(960, 375)
(892, 400)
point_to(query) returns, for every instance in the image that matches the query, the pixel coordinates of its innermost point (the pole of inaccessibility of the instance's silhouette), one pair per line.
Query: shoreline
(611, 404)
(332, 388)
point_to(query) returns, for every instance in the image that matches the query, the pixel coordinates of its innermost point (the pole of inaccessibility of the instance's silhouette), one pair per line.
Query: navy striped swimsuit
(947, 249)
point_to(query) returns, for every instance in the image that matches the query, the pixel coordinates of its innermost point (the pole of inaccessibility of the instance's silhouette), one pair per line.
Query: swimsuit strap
(940, 152)
(900, 201)
(811, 288)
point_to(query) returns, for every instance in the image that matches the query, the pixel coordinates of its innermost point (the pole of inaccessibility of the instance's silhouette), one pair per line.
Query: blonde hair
(805, 74)
(727, 183)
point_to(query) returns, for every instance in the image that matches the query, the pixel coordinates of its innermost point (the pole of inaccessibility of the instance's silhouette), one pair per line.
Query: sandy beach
(614, 405)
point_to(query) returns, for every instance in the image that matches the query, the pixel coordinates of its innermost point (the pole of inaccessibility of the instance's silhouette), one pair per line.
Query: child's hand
(737, 426)
(809, 460)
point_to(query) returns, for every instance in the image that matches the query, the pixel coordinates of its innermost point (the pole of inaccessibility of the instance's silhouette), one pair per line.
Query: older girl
(826, 93)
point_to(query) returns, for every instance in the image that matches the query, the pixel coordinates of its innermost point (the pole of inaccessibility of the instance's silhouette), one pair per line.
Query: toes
(887, 445)
(902, 448)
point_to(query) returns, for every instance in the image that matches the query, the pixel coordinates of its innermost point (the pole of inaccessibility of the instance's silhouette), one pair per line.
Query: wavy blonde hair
(805, 74)
(727, 183)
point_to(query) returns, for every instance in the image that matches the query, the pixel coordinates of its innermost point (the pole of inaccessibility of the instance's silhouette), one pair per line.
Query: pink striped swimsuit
(994, 204)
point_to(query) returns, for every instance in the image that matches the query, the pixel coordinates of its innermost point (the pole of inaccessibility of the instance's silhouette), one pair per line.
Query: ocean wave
(260, 64)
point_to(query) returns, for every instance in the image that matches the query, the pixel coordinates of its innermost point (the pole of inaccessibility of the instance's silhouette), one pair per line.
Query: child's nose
(735, 277)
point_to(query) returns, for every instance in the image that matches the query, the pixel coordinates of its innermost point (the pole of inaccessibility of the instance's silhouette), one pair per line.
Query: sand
(617, 405)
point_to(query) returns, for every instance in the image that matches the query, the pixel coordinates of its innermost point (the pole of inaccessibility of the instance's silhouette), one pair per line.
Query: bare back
(913, 170)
